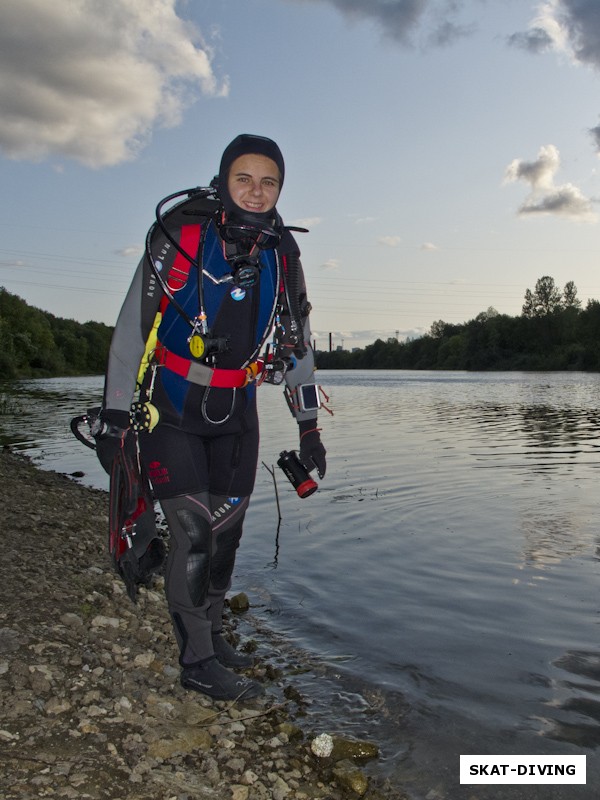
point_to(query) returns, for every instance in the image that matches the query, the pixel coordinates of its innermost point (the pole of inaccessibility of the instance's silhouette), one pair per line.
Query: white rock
(101, 621)
(144, 659)
(249, 778)
(57, 705)
(322, 745)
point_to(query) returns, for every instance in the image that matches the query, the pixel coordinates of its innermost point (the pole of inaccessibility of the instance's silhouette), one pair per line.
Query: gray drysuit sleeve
(129, 338)
(303, 371)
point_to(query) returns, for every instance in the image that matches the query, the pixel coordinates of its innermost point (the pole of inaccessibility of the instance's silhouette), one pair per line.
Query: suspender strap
(189, 243)
(206, 376)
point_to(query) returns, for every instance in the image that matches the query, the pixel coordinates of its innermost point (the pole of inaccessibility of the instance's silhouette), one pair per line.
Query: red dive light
(296, 473)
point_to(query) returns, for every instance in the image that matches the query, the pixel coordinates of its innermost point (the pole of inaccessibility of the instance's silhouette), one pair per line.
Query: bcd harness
(272, 366)
(191, 370)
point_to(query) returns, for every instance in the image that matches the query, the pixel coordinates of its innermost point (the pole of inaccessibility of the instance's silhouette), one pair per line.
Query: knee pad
(224, 557)
(198, 564)
(228, 521)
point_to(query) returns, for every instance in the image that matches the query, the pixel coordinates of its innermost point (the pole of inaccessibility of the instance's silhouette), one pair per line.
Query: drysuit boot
(211, 678)
(227, 655)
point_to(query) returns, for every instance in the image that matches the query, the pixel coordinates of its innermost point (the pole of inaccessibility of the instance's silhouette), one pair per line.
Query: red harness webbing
(207, 376)
(189, 243)
(185, 367)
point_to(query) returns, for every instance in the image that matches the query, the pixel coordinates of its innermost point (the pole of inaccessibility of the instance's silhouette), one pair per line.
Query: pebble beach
(90, 700)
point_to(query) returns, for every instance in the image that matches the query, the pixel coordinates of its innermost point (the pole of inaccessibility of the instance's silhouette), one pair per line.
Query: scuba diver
(217, 306)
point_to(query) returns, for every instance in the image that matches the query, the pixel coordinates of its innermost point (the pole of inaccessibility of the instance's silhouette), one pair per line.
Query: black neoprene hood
(242, 145)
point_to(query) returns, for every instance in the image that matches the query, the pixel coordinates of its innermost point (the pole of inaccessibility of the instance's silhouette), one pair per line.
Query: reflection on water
(443, 583)
(575, 714)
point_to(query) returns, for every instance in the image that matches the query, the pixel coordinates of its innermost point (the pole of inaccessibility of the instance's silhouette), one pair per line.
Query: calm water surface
(442, 584)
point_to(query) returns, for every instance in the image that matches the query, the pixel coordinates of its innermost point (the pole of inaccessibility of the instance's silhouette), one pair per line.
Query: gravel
(90, 700)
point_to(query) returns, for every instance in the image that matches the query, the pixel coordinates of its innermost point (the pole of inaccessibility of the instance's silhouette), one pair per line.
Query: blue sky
(444, 154)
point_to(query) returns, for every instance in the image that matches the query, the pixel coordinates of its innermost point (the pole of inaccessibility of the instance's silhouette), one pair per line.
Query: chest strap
(194, 372)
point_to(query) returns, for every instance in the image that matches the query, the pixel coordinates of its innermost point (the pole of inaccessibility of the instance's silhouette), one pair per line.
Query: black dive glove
(109, 430)
(312, 452)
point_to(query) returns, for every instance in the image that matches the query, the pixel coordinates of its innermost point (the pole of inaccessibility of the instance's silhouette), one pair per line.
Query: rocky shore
(90, 700)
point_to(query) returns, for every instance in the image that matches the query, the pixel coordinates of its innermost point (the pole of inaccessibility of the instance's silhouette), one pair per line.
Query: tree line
(553, 332)
(36, 344)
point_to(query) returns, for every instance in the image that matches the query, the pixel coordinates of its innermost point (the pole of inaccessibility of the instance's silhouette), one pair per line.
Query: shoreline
(91, 704)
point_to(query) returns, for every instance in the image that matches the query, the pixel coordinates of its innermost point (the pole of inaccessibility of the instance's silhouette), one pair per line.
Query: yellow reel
(144, 417)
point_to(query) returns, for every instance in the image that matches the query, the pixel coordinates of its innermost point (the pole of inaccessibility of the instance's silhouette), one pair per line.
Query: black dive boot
(227, 655)
(209, 677)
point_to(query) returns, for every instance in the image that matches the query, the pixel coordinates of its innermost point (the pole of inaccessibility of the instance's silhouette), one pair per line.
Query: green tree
(36, 343)
(544, 300)
(570, 299)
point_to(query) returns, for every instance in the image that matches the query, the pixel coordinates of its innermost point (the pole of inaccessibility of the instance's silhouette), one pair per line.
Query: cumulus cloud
(89, 81)
(535, 40)
(402, 20)
(545, 197)
(546, 31)
(568, 26)
(577, 28)
(539, 173)
(390, 241)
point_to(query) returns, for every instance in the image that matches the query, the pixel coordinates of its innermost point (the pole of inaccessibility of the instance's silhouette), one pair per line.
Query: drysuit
(201, 452)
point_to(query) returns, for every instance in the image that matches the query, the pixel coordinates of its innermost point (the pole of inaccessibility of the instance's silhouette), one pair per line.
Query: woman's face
(254, 183)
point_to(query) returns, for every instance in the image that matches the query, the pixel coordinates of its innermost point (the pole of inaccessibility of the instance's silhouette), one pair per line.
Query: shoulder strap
(189, 242)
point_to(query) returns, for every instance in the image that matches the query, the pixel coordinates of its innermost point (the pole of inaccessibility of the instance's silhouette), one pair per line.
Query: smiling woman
(254, 183)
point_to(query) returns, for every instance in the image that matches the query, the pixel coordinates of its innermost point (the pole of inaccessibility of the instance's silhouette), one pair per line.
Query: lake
(442, 585)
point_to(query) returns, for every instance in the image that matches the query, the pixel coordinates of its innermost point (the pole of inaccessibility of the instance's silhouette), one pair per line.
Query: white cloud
(307, 222)
(569, 27)
(429, 246)
(546, 31)
(10, 262)
(545, 197)
(134, 250)
(539, 173)
(390, 241)
(89, 81)
(330, 265)
(574, 27)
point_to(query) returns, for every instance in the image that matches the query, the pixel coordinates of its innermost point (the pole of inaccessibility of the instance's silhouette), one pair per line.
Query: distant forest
(553, 332)
(36, 344)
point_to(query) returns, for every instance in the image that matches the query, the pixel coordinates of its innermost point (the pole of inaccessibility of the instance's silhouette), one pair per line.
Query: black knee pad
(198, 567)
(227, 543)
